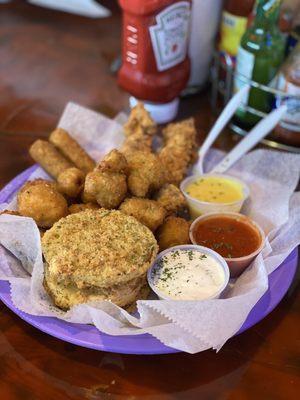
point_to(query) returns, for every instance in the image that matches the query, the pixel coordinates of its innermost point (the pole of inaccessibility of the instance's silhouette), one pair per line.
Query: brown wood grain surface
(48, 58)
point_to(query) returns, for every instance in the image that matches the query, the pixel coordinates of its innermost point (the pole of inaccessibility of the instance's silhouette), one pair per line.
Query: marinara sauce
(231, 237)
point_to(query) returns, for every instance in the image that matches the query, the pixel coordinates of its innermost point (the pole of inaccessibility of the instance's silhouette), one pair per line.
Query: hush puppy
(41, 201)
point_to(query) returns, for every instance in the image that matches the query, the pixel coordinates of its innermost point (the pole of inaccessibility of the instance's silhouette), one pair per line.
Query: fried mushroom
(148, 212)
(173, 232)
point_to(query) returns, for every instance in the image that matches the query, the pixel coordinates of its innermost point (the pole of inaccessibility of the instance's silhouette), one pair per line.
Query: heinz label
(170, 35)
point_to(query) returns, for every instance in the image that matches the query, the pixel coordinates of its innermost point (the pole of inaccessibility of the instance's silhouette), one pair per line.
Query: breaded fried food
(107, 184)
(137, 142)
(71, 181)
(148, 212)
(49, 158)
(171, 198)
(10, 212)
(97, 255)
(140, 122)
(179, 150)
(71, 149)
(41, 201)
(114, 161)
(139, 131)
(75, 208)
(173, 232)
(108, 189)
(145, 174)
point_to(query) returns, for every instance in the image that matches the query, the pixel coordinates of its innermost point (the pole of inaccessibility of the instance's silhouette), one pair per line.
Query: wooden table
(46, 59)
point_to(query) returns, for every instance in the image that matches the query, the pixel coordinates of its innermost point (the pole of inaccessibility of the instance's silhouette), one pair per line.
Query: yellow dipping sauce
(215, 189)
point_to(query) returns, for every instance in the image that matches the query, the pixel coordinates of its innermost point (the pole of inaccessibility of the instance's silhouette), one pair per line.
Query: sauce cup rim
(201, 249)
(245, 187)
(239, 215)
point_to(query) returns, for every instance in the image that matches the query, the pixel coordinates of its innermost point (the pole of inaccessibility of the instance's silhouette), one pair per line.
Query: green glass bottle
(260, 55)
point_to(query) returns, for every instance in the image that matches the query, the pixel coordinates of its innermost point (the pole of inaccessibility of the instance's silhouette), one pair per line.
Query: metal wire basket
(222, 78)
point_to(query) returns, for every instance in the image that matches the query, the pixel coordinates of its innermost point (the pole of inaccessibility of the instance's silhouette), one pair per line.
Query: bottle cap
(160, 112)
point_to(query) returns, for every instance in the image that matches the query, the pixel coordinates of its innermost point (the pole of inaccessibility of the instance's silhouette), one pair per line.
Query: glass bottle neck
(267, 13)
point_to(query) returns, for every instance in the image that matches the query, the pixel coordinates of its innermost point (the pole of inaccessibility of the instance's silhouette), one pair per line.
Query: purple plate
(88, 336)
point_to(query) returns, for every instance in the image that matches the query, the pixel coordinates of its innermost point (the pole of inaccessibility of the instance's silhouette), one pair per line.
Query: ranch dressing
(188, 275)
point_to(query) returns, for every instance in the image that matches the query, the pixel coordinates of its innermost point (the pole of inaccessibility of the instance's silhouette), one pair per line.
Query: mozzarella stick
(50, 159)
(72, 150)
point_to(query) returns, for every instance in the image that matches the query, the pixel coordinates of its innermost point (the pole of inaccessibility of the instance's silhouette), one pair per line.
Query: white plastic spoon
(253, 137)
(221, 122)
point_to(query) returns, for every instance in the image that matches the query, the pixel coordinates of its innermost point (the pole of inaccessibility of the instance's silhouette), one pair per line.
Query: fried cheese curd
(97, 255)
(107, 184)
(148, 212)
(145, 173)
(179, 150)
(40, 200)
(173, 232)
(171, 198)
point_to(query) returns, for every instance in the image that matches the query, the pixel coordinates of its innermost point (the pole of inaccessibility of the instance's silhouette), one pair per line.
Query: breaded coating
(75, 208)
(148, 212)
(72, 150)
(10, 212)
(41, 201)
(71, 181)
(98, 248)
(107, 188)
(145, 174)
(124, 295)
(140, 122)
(49, 158)
(171, 198)
(136, 142)
(179, 151)
(173, 232)
(114, 161)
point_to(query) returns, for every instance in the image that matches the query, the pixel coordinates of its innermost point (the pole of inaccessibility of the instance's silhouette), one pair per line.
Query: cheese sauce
(188, 275)
(214, 189)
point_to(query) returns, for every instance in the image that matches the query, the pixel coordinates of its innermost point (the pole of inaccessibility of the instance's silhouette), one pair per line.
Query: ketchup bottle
(155, 66)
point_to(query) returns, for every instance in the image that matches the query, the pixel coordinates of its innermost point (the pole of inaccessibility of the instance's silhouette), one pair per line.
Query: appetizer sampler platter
(88, 336)
(102, 226)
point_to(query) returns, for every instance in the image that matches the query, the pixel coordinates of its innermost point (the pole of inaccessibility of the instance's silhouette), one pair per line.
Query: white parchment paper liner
(191, 326)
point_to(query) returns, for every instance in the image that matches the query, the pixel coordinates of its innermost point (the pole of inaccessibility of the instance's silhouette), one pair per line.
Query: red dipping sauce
(234, 236)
